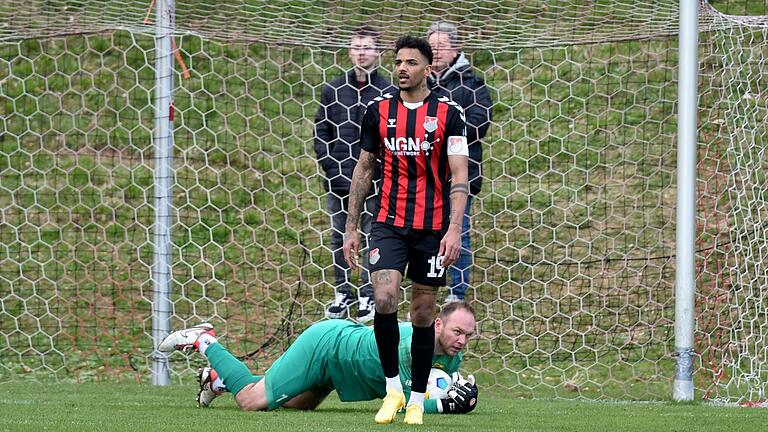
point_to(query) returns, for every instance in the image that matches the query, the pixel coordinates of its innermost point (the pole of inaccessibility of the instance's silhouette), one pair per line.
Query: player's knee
(252, 405)
(422, 315)
(422, 320)
(247, 407)
(385, 305)
(251, 399)
(385, 297)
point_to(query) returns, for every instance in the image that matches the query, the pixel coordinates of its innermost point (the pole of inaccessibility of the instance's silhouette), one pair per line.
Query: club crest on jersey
(456, 144)
(373, 256)
(430, 124)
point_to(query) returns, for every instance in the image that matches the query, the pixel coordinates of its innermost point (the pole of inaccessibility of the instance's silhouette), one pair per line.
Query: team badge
(456, 143)
(430, 124)
(373, 256)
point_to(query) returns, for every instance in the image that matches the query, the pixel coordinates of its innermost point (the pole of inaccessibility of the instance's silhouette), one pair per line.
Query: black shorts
(393, 248)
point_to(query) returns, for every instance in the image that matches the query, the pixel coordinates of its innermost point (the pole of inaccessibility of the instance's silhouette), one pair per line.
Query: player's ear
(438, 325)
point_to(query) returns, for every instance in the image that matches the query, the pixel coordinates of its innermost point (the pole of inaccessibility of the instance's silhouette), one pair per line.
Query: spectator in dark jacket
(337, 131)
(452, 76)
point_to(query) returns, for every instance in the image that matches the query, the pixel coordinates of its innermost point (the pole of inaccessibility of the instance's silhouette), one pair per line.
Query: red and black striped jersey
(412, 146)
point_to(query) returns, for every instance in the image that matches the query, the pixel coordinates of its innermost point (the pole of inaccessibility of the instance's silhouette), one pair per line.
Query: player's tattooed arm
(460, 188)
(361, 186)
(459, 195)
(450, 245)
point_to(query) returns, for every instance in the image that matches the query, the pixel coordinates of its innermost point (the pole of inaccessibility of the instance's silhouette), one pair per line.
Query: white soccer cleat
(366, 309)
(339, 308)
(185, 340)
(206, 395)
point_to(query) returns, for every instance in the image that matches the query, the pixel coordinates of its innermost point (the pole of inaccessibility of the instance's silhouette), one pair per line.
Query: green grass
(131, 407)
(573, 231)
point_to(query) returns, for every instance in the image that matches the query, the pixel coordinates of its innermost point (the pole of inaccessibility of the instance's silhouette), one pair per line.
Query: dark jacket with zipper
(469, 91)
(337, 126)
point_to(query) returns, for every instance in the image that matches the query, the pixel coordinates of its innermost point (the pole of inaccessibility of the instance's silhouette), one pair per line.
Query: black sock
(387, 338)
(422, 350)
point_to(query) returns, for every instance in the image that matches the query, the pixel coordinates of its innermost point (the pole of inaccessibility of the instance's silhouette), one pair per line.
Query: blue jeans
(337, 208)
(461, 270)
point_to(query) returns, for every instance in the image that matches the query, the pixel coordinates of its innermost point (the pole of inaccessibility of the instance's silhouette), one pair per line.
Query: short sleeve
(370, 138)
(456, 122)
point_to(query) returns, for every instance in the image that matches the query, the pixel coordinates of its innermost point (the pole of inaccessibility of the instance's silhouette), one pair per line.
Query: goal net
(573, 232)
(732, 296)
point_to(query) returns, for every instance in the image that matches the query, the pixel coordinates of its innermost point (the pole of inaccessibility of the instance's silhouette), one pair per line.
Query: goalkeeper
(330, 355)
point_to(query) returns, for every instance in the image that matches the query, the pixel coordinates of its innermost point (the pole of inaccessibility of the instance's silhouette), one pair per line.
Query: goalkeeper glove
(462, 397)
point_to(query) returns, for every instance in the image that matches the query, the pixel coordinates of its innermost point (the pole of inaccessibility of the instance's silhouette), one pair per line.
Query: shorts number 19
(435, 266)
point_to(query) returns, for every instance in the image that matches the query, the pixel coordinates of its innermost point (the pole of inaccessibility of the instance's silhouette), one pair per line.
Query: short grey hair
(447, 28)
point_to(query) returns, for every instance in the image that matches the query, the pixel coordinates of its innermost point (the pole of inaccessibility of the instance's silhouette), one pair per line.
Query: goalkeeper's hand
(462, 397)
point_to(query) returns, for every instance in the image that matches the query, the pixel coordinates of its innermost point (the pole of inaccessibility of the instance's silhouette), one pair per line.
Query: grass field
(132, 407)
(574, 230)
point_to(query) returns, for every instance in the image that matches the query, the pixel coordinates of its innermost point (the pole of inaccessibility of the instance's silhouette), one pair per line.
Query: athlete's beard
(442, 345)
(404, 87)
(412, 87)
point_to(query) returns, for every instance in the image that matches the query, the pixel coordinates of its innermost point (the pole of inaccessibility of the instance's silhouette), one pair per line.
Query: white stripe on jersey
(455, 105)
(379, 98)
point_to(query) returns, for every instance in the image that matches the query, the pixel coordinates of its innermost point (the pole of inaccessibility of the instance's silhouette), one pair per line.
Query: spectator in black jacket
(337, 131)
(452, 76)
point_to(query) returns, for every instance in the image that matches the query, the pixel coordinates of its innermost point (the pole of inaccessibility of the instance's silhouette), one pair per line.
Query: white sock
(204, 341)
(218, 386)
(394, 383)
(416, 399)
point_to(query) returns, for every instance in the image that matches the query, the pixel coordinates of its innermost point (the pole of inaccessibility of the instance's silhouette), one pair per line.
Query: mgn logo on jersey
(407, 146)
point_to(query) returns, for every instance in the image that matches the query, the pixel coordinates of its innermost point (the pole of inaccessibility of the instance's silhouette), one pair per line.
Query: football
(437, 385)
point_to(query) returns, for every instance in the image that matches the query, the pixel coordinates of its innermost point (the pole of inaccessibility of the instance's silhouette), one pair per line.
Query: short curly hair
(416, 43)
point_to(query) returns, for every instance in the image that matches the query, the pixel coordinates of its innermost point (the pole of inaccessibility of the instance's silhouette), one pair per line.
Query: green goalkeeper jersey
(355, 369)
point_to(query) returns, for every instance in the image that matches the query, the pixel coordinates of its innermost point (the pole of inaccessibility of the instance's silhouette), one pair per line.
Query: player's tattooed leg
(386, 284)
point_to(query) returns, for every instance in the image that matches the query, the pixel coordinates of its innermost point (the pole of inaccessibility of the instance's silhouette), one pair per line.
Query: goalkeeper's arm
(462, 397)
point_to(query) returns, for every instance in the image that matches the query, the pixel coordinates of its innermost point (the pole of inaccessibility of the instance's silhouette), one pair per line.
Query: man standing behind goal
(420, 139)
(337, 131)
(452, 76)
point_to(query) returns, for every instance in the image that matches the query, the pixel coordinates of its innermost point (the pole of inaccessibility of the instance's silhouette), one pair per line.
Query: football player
(330, 355)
